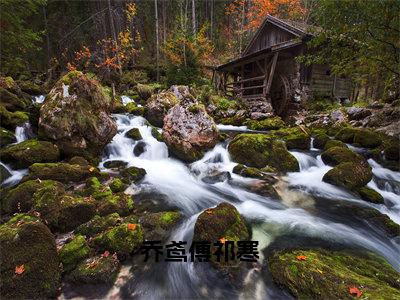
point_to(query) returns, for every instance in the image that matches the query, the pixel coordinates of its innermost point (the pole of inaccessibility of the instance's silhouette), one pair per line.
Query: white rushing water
(38, 99)
(23, 132)
(183, 187)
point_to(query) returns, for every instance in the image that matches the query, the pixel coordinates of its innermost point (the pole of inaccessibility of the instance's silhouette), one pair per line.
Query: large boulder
(350, 175)
(75, 116)
(11, 101)
(63, 172)
(20, 198)
(223, 221)
(259, 151)
(336, 155)
(73, 252)
(320, 274)
(10, 120)
(188, 130)
(358, 113)
(158, 106)
(29, 262)
(24, 154)
(6, 137)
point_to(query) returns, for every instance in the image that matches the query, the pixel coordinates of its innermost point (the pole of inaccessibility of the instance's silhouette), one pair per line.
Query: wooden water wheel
(280, 94)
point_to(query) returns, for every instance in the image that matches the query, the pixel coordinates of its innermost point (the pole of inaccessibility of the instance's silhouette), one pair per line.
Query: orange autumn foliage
(19, 269)
(131, 226)
(301, 257)
(355, 291)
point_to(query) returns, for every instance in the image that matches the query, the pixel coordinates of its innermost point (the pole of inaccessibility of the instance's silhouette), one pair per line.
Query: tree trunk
(114, 34)
(194, 16)
(157, 42)
(47, 37)
(212, 19)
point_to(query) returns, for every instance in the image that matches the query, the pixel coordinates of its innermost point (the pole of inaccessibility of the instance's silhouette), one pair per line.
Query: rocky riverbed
(86, 180)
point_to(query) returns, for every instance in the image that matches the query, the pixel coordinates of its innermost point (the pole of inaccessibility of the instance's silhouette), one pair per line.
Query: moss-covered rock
(6, 137)
(336, 155)
(157, 225)
(78, 160)
(60, 211)
(62, 172)
(266, 124)
(346, 135)
(30, 87)
(30, 247)
(20, 198)
(11, 101)
(115, 164)
(100, 269)
(156, 134)
(144, 91)
(10, 120)
(134, 134)
(122, 239)
(120, 203)
(378, 219)
(133, 174)
(320, 140)
(29, 152)
(74, 211)
(392, 151)
(250, 172)
(334, 143)
(133, 109)
(257, 150)
(236, 120)
(367, 138)
(99, 224)
(350, 175)
(370, 195)
(117, 185)
(329, 275)
(158, 105)
(223, 221)
(76, 117)
(73, 252)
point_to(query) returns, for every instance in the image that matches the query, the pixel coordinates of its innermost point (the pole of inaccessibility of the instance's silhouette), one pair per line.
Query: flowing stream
(303, 213)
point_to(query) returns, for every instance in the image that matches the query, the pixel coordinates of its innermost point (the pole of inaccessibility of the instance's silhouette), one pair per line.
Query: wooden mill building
(268, 70)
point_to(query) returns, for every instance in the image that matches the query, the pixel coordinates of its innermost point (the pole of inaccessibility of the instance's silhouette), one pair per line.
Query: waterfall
(23, 132)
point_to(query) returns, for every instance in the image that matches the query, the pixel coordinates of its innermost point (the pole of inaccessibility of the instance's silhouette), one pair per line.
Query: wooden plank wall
(322, 82)
(269, 36)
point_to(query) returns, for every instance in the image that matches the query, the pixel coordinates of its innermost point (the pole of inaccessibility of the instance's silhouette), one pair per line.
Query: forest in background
(173, 42)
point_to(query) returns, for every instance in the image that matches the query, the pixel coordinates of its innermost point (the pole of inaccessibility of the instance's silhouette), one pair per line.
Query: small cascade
(16, 175)
(126, 99)
(23, 132)
(38, 99)
(223, 127)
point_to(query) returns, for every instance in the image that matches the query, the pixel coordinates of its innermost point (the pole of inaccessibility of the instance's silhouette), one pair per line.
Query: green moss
(96, 270)
(223, 221)
(144, 91)
(328, 275)
(29, 152)
(250, 172)
(133, 109)
(120, 239)
(156, 134)
(120, 203)
(367, 138)
(168, 218)
(68, 78)
(370, 195)
(10, 120)
(346, 135)
(320, 140)
(266, 124)
(62, 172)
(95, 189)
(334, 143)
(236, 120)
(132, 174)
(336, 155)
(223, 104)
(257, 150)
(20, 198)
(134, 134)
(6, 137)
(72, 253)
(117, 185)
(349, 175)
(196, 108)
(28, 243)
(98, 224)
